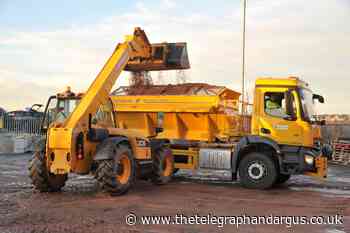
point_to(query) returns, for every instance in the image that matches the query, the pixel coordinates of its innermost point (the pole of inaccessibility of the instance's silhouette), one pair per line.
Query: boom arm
(135, 46)
(139, 53)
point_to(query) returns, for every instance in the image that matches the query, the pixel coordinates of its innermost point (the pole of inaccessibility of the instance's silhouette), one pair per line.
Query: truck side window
(275, 104)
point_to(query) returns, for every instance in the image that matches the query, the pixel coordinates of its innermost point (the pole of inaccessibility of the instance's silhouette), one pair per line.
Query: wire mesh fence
(341, 153)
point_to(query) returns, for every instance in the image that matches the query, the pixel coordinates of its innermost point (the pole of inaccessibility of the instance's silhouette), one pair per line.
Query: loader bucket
(165, 56)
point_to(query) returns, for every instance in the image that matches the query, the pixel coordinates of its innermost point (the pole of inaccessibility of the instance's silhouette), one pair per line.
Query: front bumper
(294, 161)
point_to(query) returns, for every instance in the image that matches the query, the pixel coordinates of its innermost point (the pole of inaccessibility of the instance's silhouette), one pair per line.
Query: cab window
(104, 116)
(275, 105)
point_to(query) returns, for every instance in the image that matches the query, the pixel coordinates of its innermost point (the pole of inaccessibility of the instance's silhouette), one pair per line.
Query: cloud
(19, 94)
(304, 38)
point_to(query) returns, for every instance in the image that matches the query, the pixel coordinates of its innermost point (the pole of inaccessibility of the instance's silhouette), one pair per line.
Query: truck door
(278, 116)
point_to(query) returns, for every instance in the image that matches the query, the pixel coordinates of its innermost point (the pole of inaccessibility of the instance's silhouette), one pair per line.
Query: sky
(47, 45)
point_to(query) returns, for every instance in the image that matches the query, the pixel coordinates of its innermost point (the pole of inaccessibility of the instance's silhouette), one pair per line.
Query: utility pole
(243, 54)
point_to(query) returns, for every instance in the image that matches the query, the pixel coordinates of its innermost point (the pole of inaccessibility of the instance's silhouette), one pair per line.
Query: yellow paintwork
(298, 132)
(175, 103)
(203, 118)
(133, 135)
(281, 82)
(60, 165)
(189, 126)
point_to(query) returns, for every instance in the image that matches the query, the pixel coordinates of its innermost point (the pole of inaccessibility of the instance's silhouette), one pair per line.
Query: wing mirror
(320, 98)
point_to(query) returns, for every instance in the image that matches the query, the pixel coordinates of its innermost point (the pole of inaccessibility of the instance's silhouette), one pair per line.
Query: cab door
(278, 116)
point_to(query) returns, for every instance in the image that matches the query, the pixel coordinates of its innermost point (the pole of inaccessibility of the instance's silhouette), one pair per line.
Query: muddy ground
(82, 208)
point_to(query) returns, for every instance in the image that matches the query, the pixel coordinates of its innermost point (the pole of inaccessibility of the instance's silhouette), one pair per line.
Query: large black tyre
(257, 171)
(43, 180)
(117, 175)
(282, 178)
(163, 166)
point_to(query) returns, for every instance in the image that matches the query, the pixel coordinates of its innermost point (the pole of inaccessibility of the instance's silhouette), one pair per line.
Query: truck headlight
(309, 160)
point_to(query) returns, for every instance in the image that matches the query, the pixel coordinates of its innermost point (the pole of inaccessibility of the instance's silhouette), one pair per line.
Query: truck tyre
(257, 171)
(117, 175)
(43, 180)
(163, 166)
(282, 178)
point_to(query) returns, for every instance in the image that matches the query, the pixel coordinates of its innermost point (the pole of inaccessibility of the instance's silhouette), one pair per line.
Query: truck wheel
(117, 175)
(282, 178)
(163, 166)
(257, 171)
(41, 178)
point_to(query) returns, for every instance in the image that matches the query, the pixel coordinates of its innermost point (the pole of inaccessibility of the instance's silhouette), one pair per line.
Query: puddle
(340, 179)
(323, 190)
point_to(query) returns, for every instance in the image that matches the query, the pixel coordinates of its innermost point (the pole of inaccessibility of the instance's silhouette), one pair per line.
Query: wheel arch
(254, 143)
(104, 150)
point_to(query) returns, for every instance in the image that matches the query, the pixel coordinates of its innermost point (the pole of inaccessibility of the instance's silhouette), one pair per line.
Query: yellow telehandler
(80, 137)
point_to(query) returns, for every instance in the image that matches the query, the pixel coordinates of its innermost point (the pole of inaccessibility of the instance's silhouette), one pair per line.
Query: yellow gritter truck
(280, 138)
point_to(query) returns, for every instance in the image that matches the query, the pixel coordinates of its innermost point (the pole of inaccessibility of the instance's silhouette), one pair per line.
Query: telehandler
(81, 135)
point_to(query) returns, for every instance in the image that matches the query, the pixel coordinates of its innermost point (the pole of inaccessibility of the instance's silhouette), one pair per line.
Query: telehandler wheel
(117, 175)
(257, 171)
(43, 180)
(163, 166)
(282, 178)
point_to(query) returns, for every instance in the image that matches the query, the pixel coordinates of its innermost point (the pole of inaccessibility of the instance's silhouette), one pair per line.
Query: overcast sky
(47, 45)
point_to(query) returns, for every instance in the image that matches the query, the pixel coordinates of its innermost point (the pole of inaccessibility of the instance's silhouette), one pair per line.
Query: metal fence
(341, 152)
(20, 126)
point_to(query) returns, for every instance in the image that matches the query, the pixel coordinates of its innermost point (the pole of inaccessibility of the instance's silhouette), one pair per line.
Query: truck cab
(284, 110)
(284, 118)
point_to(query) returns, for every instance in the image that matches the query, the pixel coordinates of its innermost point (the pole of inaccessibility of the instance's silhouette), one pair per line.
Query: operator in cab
(273, 105)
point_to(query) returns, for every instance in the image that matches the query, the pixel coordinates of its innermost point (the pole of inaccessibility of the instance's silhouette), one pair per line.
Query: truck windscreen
(307, 104)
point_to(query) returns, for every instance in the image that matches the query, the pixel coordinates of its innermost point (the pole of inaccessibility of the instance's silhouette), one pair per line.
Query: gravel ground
(81, 207)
